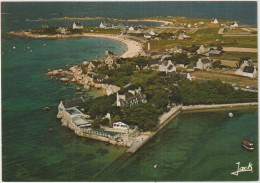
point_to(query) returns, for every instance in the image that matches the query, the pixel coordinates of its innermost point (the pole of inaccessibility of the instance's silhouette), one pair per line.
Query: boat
(44, 45)
(50, 129)
(230, 114)
(14, 47)
(247, 145)
(155, 166)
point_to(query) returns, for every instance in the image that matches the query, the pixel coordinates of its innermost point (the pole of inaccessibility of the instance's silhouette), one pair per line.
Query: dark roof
(156, 53)
(72, 103)
(205, 61)
(153, 62)
(147, 34)
(249, 69)
(205, 46)
(100, 76)
(78, 24)
(170, 67)
(164, 62)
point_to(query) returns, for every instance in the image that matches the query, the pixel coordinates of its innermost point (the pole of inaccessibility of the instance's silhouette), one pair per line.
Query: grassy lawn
(236, 56)
(245, 42)
(208, 35)
(228, 78)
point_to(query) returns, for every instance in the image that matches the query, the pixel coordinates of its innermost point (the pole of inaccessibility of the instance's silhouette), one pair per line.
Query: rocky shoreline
(82, 79)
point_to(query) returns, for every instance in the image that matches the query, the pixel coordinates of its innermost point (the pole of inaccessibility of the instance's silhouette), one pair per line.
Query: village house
(109, 58)
(214, 53)
(152, 33)
(191, 78)
(102, 25)
(214, 21)
(234, 24)
(250, 71)
(120, 125)
(100, 77)
(167, 66)
(204, 64)
(132, 97)
(92, 65)
(147, 36)
(203, 49)
(77, 25)
(131, 28)
(70, 114)
(247, 69)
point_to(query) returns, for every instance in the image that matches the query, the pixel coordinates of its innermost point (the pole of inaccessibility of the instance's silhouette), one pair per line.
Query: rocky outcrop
(83, 79)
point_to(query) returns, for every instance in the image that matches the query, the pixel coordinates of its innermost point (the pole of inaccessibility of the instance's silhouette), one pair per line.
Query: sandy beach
(133, 48)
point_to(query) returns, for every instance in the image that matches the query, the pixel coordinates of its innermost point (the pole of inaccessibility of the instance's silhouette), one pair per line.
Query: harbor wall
(215, 106)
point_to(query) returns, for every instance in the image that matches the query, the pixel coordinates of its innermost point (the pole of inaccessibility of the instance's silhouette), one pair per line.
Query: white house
(203, 49)
(132, 97)
(189, 25)
(77, 25)
(234, 24)
(191, 78)
(147, 36)
(120, 125)
(167, 66)
(102, 25)
(70, 115)
(214, 21)
(131, 28)
(152, 32)
(247, 69)
(204, 64)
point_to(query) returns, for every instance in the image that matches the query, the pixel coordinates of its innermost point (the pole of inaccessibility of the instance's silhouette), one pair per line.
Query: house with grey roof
(204, 64)
(214, 53)
(247, 69)
(203, 49)
(132, 97)
(167, 66)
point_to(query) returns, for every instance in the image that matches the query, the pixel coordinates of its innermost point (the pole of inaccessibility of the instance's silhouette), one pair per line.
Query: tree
(219, 48)
(216, 64)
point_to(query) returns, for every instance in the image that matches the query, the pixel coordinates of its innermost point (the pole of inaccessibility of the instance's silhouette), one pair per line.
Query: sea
(195, 146)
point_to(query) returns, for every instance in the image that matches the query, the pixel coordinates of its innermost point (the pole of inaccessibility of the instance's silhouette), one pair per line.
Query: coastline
(133, 48)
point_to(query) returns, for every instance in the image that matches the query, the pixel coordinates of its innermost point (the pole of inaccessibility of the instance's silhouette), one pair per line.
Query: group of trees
(160, 91)
(212, 92)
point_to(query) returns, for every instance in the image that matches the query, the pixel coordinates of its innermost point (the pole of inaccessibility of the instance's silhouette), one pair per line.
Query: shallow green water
(200, 146)
(30, 152)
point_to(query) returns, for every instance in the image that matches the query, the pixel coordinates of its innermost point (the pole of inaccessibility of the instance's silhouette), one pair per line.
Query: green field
(236, 56)
(244, 42)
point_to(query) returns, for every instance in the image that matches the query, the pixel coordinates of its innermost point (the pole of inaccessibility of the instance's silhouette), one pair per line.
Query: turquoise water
(196, 146)
(30, 152)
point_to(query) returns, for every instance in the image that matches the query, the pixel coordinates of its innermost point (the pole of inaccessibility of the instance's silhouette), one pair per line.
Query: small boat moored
(247, 145)
(50, 129)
